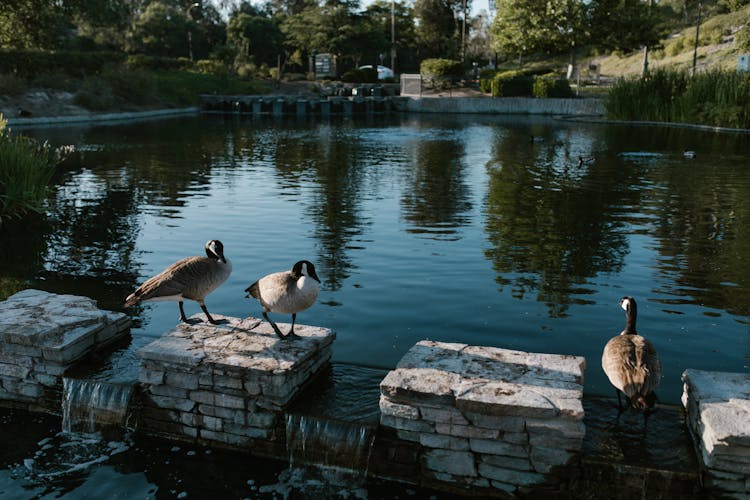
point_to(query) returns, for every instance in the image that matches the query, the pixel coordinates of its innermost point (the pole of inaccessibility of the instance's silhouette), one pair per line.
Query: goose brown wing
(173, 280)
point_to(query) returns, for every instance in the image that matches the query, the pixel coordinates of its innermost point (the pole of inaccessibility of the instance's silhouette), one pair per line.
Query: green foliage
(183, 87)
(95, 94)
(143, 61)
(512, 84)
(623, 25)
(485, 82)
(257, 37)
(11, 84)
(551, 87)
(26, 169)
(130, 85)
(675, 46)
(526, 26)
(742, 39)
(436, 31)
(30, 63)
(211, 67)
(367, 75)
(445, 68)
(717, 98)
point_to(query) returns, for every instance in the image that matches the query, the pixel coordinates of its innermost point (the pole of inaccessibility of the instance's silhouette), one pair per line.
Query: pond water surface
(450, 228)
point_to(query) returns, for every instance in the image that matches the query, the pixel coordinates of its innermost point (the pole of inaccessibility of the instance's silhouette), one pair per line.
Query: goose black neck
(630, 316)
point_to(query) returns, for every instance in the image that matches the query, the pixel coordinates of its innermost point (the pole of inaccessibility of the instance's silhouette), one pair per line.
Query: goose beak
(314, 276)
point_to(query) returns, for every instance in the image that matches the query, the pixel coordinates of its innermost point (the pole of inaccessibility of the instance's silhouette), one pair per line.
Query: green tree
(437, 28)
(523, 27)
(27, 24)
(161, 30)
(404, 30)
(334, 27)
(623, 25)
(259, 38)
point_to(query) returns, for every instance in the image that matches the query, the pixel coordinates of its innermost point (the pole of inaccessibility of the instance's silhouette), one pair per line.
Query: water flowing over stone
(320, 441)
(88, 404)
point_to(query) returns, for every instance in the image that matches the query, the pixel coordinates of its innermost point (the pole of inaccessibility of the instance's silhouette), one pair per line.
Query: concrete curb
(101, 117)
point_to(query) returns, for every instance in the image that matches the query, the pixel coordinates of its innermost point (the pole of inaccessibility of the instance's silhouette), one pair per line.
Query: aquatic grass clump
(26, 169)
(715, 98)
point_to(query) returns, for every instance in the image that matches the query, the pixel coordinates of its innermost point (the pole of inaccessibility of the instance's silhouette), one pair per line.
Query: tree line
(285, 33)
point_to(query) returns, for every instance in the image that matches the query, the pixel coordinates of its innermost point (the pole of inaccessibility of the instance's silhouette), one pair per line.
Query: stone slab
(723, 408)
(239, 345)
(488, 380)
(42, 319)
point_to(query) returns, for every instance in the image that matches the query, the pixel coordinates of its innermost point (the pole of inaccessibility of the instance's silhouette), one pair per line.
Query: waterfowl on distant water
(631, 362)
(585, 160)
(688, 153)
(190, 278)
(287, 292)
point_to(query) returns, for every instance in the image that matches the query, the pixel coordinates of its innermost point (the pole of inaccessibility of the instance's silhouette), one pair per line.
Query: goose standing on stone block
(190, 278)
(631, 362)
(287, 292)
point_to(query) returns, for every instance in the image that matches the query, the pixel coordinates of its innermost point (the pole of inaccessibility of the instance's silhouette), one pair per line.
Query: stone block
(182, 380)
(388, 407)
(460, 463)
(496, 447)
(509, 476)
(444, 442)
(168, 390)
(406, 424)
(443, 415)
(515, 463)
(467, 431)
(151, 377)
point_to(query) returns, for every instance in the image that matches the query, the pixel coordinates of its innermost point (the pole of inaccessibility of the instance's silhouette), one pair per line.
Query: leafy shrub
(675, 46)
(11, 85)
(742, 39)
(55, 80)
(441, 68)
(143, 61)
(485, 80)
(30, 63)
(512, 84)
(95, 94)
(26, 169)
(367, 75)
(548, 87)
(211, 67)
(132, 85)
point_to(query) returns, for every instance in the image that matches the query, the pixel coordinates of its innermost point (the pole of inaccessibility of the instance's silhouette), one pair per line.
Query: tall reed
(26, 169)
(716, 98)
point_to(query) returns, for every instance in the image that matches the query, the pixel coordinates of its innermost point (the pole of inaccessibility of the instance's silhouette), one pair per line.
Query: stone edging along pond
(587, 110)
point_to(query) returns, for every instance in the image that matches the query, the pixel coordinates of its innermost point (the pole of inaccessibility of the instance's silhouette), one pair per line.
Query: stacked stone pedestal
(718, 417)
(486, 419)
(228, 384)
(41, 336)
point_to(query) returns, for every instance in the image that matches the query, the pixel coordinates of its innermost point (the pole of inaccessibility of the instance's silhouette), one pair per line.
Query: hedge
(28, 64)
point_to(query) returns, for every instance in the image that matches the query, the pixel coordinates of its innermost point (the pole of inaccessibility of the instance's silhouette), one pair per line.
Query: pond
(471, 229)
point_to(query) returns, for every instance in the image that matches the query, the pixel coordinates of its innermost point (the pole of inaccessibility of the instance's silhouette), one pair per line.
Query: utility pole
(697, 34)
(463, 34)
(393, 36)
(644, 73)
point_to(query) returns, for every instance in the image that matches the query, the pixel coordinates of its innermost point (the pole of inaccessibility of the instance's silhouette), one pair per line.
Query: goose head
(304, 268)
(215, 250)
(631, 312)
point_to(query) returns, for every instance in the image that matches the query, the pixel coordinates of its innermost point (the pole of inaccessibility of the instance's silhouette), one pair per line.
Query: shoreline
(451, 104)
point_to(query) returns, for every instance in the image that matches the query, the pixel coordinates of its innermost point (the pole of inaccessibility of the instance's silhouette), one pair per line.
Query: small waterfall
(91, 403)
(329, 443)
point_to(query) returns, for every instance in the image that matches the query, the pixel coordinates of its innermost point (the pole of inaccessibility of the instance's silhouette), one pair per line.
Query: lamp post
(189, 15)
(393, 36)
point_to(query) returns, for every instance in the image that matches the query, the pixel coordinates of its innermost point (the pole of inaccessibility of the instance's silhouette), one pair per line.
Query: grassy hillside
(716, 48)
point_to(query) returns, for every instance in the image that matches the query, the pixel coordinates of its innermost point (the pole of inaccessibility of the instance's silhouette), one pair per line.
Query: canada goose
(631, 362)
(688, 153)
(190, 278)
(286, 292)
(585, 160)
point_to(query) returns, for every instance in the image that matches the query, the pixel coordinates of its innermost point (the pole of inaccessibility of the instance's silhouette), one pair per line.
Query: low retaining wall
(718, 416)
(501, 105)
(485, 418)
(42, 335)
(228, 384)
(101, 117)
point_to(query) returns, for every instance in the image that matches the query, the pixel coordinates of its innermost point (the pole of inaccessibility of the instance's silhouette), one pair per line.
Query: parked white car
(383, 71)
